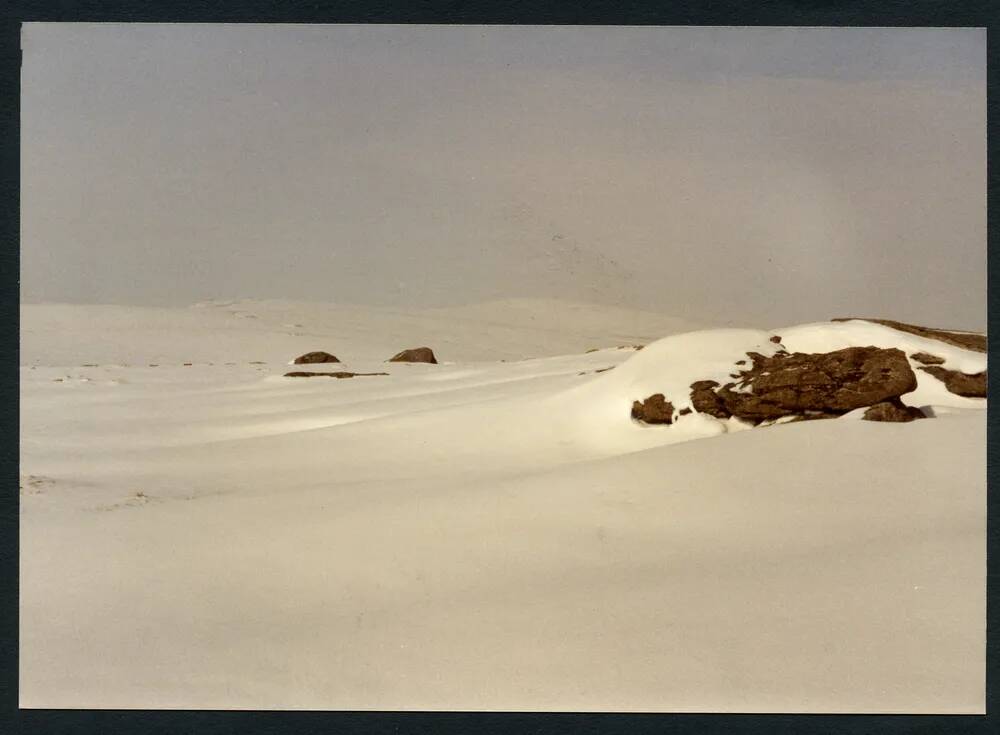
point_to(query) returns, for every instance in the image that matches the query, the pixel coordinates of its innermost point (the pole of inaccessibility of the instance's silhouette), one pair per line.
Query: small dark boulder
(339, 374)
(776, 339)
(313, 357)
(926, 358)
(654, 410)
(961, 384)
(893, 410)
(417, 354)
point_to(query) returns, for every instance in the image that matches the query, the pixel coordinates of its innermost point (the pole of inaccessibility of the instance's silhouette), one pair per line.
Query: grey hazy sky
(779, 174)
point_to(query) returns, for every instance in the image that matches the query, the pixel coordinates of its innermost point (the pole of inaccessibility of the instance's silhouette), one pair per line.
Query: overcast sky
(780, 174)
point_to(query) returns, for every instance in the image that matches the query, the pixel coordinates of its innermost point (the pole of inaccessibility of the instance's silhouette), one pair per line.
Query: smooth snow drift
(494, 532)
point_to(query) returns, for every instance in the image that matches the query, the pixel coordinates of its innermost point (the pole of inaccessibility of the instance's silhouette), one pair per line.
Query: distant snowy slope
(271, 331)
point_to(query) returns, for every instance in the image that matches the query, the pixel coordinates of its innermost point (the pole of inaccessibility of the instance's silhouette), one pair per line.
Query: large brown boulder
(961, 384)
(893, 410)
(654, 410)
(315, 357)
(417, 354)
(799, 384)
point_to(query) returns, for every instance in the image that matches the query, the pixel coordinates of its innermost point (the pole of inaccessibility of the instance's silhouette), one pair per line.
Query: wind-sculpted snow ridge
(969, 340)
(711, 382)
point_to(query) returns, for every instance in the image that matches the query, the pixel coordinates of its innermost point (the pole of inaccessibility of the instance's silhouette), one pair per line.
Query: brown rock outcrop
(654, 410)
(961, 384)
(800, 384)
(417, 354)
(706, 400)
(314, 357)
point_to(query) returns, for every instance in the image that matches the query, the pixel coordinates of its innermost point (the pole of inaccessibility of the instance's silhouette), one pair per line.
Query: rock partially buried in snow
(800, 384)
(706, 400)
(339, 374)
(654, 410)
(894, 411)
(926, 358)
(726, 380)
(417, 354)
(961, 384)
(314, 357)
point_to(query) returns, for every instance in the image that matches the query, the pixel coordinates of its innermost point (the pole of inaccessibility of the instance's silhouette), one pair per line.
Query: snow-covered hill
(493, 532)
